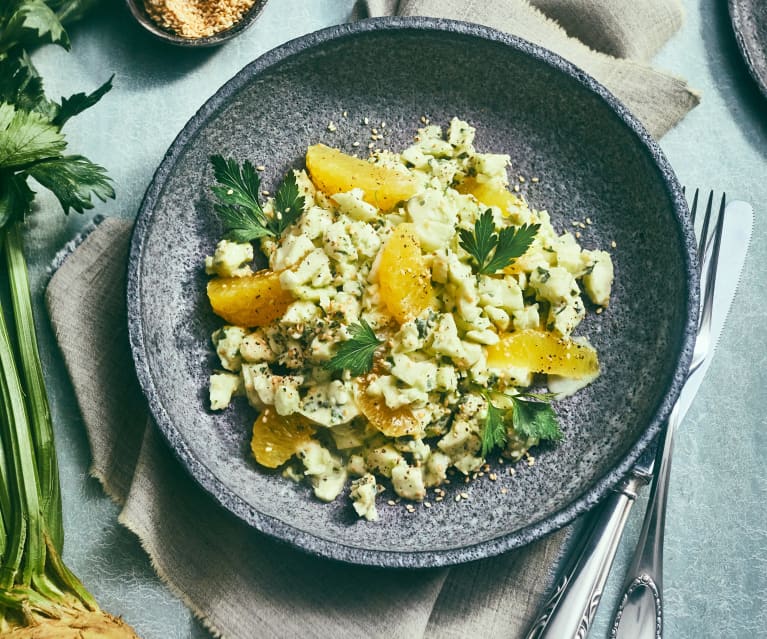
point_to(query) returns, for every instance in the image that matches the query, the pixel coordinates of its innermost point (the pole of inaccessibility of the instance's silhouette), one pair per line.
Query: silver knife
(570, 611)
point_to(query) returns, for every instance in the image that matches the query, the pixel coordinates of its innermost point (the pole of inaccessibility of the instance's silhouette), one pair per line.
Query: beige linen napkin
(240, 583)
(611, 40)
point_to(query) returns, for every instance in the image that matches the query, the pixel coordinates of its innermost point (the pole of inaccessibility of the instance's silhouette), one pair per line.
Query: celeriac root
(77, 625)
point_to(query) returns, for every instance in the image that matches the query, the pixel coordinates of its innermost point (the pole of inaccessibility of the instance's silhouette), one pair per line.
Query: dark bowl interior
(592, 159)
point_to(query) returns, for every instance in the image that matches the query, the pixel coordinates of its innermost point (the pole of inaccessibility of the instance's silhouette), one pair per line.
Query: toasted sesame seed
(613, 244)
(370, 145)
(516, 188)
(512, 472)
(260, 167)
(521, 178)
(578, 234)
(426, 504)
(464, 495)
(535, 179)
(331, 127)
(365, 121)
(355, 143)
(440, 498)
(458, 498)
(196, 20)
(344, 114)
(265, 193)
(492, 476)
(588, 220)
(504, 491)
(582, 225)
(599, 310)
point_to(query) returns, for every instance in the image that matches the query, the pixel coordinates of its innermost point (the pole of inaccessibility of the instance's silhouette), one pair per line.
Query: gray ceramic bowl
(593, 159)
(136, 7)
(749, 21)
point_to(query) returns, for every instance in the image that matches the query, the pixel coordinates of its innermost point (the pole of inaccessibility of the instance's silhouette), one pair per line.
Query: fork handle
(640, 609)
(571, 609)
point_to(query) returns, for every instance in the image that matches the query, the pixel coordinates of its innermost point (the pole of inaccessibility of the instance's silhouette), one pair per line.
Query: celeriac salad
(408, 303)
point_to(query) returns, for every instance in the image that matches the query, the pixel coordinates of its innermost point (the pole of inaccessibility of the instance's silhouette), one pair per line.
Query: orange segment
(276, 438)
(335, 172)
(391, 422)
(404, 277)
(489, 194)
(543, 352)
(254, 300)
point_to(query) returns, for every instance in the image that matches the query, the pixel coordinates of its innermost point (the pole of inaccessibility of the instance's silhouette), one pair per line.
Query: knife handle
(640, 609)
(571, 609)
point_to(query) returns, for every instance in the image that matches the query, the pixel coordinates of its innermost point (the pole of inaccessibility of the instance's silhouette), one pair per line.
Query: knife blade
(736, 238)
(640, 611)
(571, 609)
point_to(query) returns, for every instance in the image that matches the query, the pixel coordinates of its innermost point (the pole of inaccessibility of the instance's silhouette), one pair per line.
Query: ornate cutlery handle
(571, 609)
(640, 611)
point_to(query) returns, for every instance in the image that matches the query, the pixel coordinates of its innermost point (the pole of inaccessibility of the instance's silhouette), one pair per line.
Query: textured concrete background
(716, 545)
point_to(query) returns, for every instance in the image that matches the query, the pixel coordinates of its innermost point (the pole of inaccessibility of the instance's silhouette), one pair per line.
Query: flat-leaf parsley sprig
(239, 207)
(357, 353)
(492, 251)
(531, 415)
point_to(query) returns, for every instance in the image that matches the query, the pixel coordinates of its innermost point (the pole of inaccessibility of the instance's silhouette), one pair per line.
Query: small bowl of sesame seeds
(195, 23)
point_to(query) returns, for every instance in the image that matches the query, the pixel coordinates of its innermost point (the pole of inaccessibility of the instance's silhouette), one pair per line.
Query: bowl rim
(336, 550)
(138, 11)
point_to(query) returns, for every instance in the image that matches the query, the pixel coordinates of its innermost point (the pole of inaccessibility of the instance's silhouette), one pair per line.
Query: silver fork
(640, 610)
(571, 609)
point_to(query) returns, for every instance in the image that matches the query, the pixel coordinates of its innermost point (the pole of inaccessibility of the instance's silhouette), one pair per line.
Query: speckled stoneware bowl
(593, 159)
(749, 21)
(138, 11)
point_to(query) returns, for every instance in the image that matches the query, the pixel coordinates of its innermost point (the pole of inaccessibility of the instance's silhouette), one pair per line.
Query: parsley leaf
(288, 204)
(481, 242)
(239, 208)
(33, 21)
(79, 102)
(494, 432)
(509, 244)
(535, 419)
(26, 138)
(72, 179)
(21, 84)
(512, 243)
(356, 354)
(531, 416)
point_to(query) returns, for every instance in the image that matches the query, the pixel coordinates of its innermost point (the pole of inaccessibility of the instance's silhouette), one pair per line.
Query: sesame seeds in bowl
(195, 23)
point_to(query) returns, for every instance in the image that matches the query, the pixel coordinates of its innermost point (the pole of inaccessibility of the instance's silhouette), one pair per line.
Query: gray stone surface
(716, 558)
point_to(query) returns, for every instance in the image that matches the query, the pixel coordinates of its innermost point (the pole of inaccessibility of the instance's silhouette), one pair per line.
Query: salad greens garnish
(494, 433)
(530, 415)
(356, 354)
(239, 207)
(493, 251)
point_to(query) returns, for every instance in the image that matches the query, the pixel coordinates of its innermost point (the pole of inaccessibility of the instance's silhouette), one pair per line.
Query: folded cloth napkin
(240, 583)
(611, 40)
